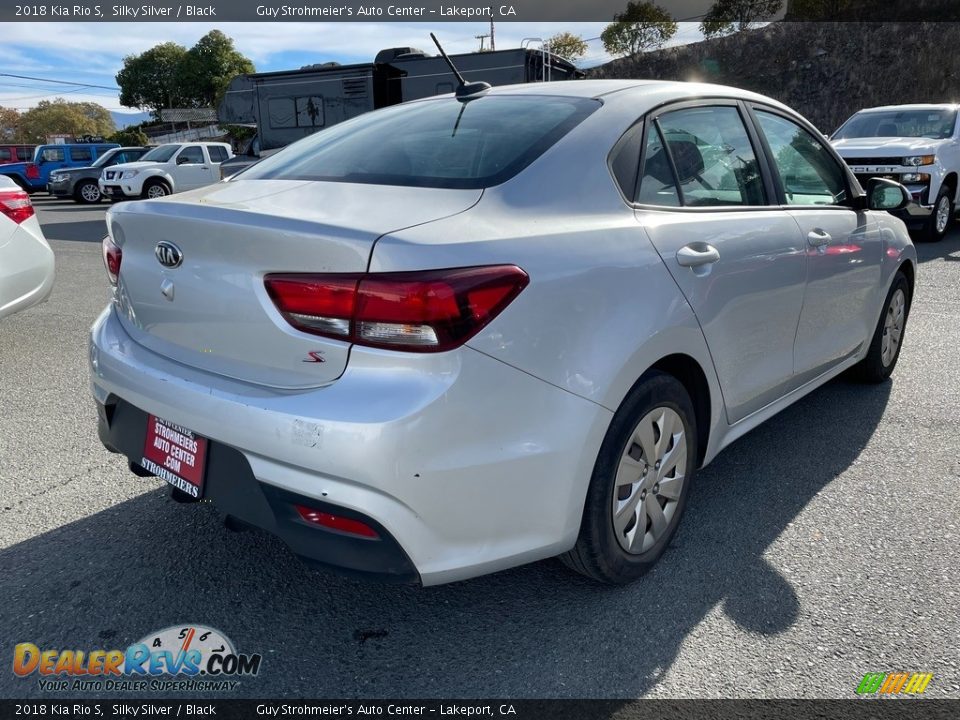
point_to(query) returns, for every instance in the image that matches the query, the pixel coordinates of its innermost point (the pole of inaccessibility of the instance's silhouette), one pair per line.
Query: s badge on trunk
(168, 254)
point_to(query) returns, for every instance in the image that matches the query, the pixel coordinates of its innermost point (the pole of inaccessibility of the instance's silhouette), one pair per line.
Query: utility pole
(481, 38)
(493, 41)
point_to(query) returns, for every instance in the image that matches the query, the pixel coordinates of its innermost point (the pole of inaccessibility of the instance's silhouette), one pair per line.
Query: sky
(93, 52)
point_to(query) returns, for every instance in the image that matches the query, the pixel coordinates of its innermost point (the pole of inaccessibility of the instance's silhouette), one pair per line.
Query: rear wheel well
(688, 371)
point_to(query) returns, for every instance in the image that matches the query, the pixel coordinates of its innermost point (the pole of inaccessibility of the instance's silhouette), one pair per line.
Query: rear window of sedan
(441, 143)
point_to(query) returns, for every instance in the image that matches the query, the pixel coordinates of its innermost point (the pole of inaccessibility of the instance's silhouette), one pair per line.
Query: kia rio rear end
(451, 337)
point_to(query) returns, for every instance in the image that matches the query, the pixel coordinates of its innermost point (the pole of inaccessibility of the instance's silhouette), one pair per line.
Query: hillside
(827, 71)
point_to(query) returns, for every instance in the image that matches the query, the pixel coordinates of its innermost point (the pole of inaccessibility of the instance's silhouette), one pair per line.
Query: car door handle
(818, 237)
(697, 254)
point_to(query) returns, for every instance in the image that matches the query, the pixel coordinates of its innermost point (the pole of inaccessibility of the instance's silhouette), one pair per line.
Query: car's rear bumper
(26, 268)
(470, 465)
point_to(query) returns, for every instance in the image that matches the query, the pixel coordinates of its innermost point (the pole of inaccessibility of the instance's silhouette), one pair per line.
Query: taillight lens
(32, 171)
(112, 257)
(16, 205)
(428, 311)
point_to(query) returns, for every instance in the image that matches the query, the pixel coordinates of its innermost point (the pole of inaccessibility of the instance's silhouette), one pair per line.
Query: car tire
(609, 548)
(155, 189)
(942, 216)
(87, 192)
(887, 338)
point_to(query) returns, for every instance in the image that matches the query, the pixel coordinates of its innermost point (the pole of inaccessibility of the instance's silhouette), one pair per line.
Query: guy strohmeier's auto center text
(173, 12)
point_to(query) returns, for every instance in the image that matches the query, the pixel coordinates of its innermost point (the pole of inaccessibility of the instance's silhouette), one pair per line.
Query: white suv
(165, 170)
(916, 145)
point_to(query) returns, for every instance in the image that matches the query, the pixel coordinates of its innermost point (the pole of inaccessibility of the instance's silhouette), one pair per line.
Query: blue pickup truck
(32, 176)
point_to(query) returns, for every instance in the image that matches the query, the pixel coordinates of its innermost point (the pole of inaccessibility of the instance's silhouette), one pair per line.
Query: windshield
(105, 158)
(161, 153)
(438, 143)
(931, 123)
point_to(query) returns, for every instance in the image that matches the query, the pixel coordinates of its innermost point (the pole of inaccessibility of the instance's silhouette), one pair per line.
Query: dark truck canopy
(288, 105)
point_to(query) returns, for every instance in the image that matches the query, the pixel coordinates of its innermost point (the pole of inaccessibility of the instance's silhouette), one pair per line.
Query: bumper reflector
(336, 522)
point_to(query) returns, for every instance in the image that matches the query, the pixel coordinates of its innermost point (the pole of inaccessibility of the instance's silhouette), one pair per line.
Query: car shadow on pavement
(535, 631)
(947, 249)
(91, 231)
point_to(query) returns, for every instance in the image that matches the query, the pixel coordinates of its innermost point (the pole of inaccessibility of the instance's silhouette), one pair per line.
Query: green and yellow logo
(894, 683)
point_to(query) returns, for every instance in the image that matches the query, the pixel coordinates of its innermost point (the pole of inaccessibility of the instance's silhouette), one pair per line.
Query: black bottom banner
(858, 709)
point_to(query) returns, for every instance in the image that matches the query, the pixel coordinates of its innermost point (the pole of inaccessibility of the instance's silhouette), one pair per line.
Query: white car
(165, 170)
(457, 335)
(917, 145)
(26, 260)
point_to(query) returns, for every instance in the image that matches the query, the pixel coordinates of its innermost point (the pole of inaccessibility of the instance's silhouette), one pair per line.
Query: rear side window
(217, 153)
(808, 172)
(5, 155)
(713, 159)
(438, 143)
(78, 154)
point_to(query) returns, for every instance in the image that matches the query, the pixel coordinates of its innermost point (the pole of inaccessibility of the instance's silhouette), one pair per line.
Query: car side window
(52, 154)
(658, 185)
(808, 173)
(5, 155)
(713, 158)
(80, 154)
(192, 154)
(217, 153)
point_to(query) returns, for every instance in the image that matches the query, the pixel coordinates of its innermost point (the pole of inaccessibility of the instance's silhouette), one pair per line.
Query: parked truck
(289, 105)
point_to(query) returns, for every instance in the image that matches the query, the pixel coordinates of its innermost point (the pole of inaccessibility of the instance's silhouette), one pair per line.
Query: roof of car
(668, 89)
(914, 106)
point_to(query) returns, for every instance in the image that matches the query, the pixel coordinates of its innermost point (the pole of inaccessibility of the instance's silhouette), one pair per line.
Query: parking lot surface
(821, 546)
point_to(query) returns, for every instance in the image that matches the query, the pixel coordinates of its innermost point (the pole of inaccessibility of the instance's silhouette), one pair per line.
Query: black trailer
(288, 105)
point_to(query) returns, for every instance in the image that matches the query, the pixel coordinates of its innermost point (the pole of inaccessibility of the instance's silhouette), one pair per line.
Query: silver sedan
(461, 334)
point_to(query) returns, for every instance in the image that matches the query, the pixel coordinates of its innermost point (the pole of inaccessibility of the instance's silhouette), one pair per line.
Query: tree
(56, 117)
(9, 125)
(567, 45)
(130, 136)
(642, 26)
(728, 16)
(151, 80)
(209, 66)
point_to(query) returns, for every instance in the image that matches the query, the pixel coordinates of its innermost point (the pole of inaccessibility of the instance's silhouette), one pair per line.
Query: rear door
(843, 245)
(738, 259)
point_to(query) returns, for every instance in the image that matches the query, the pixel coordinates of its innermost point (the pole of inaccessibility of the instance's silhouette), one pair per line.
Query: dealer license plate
(176, 455)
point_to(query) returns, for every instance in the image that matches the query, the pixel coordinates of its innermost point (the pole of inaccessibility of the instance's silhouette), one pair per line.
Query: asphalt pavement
(821, 546)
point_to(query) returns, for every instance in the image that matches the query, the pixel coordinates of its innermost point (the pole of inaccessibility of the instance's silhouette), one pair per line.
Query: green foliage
(567, 45)
(170, 76)
(9, 125)
(642, 26)
(56, 117)
(152, 79)
(130, 136)
(729, 16)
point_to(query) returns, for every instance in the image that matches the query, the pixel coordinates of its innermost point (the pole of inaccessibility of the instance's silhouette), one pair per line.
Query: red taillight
(33, 172)
(16, 205)
(337, 522)
(426, 311)
(112, 257)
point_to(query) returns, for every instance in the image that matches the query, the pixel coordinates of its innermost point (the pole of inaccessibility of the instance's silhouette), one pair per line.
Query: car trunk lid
(211, 311)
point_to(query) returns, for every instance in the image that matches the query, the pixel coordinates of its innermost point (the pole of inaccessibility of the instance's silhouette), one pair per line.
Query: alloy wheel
(649, 480)
(893, 327)
(156, 191)
(943, 215)
(90, 193)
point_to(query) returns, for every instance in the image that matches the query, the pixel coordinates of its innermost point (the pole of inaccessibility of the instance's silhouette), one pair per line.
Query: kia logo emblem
(168, 254)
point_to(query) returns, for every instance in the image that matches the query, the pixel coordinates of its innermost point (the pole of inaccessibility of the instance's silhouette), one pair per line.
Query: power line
(59, 82)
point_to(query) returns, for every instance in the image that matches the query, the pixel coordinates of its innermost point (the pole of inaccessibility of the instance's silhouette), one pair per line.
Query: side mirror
(883, 194)
(182, 160)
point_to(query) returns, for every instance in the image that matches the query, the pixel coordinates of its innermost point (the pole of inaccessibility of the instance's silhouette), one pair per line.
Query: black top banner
(464, 10)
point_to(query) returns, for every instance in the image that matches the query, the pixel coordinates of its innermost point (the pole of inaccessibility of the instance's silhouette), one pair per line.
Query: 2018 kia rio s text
(457, 335)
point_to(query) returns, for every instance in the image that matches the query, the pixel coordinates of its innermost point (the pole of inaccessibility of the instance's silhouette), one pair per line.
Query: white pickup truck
(917, 145)
(164, 170)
